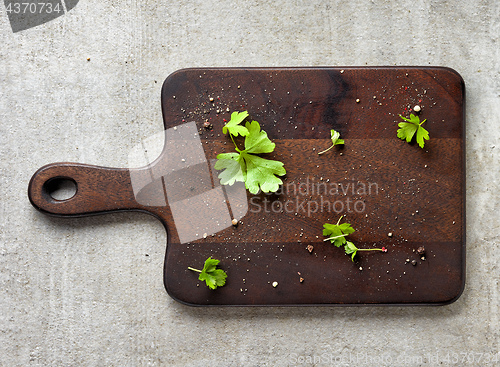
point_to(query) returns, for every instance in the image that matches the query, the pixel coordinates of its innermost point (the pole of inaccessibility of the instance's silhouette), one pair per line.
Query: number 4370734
(34, 8)
(471, 358)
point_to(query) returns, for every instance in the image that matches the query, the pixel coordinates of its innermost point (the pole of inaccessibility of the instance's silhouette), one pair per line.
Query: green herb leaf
(257, 141)
(408, 129)
(233, 125)
(245, 166)
(421, 135)
(231, 163)
(260, 173)
(337, 232)
(335, 136)
(212, 276)
(350, 249)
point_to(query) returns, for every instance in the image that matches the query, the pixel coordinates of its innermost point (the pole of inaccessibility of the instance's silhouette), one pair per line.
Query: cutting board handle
(97, 189)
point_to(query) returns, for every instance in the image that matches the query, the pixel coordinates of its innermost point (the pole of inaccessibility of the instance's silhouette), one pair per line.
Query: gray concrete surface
(83, 293)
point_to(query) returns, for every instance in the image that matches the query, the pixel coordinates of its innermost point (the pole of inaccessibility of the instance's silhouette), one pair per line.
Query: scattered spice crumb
(357, 100)
(310, 248)
(389, 234)
(417, 108)
(414, 262)
(234, 222)
(275, 284)
(421, 250)
(301, 280)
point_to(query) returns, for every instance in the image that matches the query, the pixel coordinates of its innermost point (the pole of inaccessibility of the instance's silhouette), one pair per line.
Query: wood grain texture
(382, 184)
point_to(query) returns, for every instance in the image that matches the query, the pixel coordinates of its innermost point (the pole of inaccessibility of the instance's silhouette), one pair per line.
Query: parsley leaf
(408, 129)
(212, 276)
(257, 141)
(335, 136)
(260, 173)
(351, 249)
(232, 166)
(244, 166)
(337, 235)
(337, 232)
(234, 127)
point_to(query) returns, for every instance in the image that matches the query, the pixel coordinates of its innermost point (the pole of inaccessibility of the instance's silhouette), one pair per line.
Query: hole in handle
(60, 188)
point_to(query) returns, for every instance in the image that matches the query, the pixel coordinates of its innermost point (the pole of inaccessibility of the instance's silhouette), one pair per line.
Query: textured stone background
(83, 293)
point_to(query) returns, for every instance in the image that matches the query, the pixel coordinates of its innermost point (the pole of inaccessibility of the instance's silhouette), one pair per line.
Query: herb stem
(334, 237)
(370, 249)
(193, 269)
(326, 150)
(234, 143)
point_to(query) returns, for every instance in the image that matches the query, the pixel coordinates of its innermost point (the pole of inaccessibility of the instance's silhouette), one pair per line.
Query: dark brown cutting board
(383, 185)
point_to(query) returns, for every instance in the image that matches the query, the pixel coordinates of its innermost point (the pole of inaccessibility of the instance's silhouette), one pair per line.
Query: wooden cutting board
(393, 193)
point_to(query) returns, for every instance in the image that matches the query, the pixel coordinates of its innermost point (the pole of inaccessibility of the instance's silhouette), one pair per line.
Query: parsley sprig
(335, 136)
(408, 129)
(337, 234)
(245, 166)
(212, 276)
